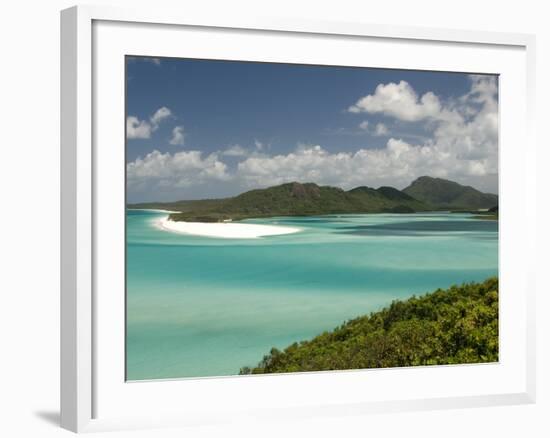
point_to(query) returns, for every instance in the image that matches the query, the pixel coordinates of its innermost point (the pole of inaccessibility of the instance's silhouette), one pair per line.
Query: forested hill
(304, 199)
(293, 199)
(457, 325)
(449, 194)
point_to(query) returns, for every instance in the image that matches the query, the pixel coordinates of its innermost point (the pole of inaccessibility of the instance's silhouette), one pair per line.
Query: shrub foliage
(453, 326)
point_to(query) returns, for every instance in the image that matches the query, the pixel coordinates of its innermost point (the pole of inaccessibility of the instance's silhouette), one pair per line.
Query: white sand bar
(225, 230)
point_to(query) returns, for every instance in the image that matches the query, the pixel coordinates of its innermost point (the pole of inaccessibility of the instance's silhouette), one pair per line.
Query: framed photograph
(266, 217)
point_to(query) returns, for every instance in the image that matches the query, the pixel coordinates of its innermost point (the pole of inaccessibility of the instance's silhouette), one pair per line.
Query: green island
(306, 199)
(453, 326)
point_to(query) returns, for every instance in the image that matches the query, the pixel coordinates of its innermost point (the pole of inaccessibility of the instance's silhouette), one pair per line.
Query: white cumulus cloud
(381, 130)
(378, 130)
(160, 115)
(178, 136)
(344, 169)
(235, 151)
(364, 125)
(181, 169)
(136, 128)
(402, 102)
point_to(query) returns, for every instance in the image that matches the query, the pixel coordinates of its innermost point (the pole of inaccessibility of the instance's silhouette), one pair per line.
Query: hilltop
(447, 194)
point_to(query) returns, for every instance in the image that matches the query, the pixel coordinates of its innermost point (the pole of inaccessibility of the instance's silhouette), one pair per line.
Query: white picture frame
(84, 379)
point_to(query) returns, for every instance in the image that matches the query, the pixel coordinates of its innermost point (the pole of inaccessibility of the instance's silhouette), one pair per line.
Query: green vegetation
(453, 326)
(293, 199)
(446, 194)
(296, 199)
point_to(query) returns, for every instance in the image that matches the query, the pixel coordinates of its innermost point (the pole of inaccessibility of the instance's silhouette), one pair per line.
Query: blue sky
(199, 128)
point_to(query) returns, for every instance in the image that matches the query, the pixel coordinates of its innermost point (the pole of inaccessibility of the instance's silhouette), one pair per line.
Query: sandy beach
(226, 230)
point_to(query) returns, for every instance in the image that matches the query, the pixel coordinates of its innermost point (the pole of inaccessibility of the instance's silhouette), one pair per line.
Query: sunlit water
(199, 306)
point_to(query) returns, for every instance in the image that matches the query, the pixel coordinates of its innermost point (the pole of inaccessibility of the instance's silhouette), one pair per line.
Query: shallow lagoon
(199, 306)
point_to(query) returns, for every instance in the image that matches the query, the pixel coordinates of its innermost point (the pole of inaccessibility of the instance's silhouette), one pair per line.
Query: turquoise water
(199, 306)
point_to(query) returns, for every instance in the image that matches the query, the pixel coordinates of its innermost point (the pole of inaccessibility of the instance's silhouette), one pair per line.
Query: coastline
(435, 335)
(224, 230)
(155, 210)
